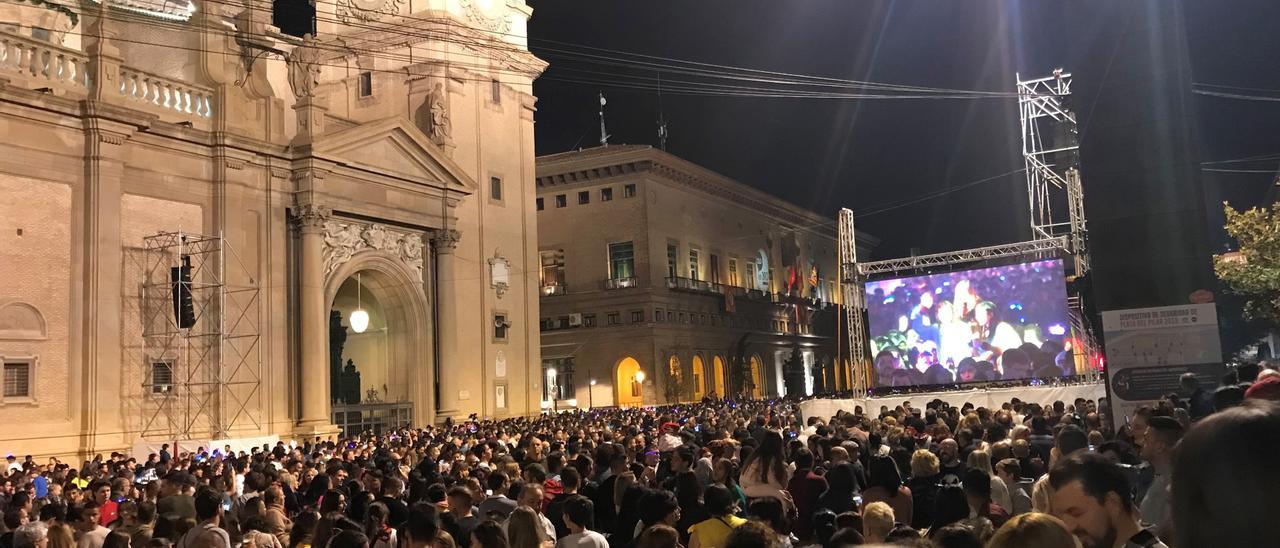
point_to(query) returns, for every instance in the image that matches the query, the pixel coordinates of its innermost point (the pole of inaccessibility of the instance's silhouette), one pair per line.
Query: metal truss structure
(1050, 150)
(209, 377)
(1032, 247)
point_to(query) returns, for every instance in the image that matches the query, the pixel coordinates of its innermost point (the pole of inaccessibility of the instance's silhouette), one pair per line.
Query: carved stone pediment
(394, 147)
(343, 239)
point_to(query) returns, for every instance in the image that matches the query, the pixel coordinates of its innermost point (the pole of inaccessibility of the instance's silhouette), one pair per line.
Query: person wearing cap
(12, 464)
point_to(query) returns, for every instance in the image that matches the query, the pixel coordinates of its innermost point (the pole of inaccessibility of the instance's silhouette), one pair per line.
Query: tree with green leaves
(1254, 270)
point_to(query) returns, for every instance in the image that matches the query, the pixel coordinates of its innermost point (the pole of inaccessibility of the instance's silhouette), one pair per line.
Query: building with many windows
(663, 281)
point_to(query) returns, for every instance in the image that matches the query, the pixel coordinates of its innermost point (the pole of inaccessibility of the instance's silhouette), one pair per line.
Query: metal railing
(690, 284)
(552, 290)
(620, 283)
(354, 418)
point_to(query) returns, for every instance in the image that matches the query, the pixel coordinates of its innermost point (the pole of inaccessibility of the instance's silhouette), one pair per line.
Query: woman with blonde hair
(60, 536)
(1033, 529)
(524, 530)
(981, 460)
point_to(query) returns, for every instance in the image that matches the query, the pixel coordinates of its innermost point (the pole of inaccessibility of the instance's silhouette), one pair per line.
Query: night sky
(825, 153)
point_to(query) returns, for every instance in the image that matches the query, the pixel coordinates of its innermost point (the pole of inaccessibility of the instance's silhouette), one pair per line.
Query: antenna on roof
(662, 120)
(604, 135)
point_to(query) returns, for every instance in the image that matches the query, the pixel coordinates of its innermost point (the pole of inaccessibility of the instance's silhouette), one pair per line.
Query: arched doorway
(675, 378)
(629, 383)
(699, 379)
(757, 377)
(389, 354)
(717, 369)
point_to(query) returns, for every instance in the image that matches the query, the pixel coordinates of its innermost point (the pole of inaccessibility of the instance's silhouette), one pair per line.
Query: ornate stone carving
(438, 125)
(310, 216)
(343, 239)
(499, 274)
(304, 68)
(496, 22)
(367, 10)
(445, 240)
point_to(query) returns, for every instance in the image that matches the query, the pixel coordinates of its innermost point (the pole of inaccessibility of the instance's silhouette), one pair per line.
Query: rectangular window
(629, 191)
(637, 316)
(495, 188)
(551, 274)
(540, 206)
(713, 269)
(161, 377)
(673, 255)
(495, 92)
(693, 264)
(622, 261)
(366, 84)
(682, 317)
(606, 194)
(588, 320)
(561, 200)
(17, 379)
(615, 318)
(657, 315)
(557, 378)
(751, 276)
(584, 197)
(500, 326)
(733, 272)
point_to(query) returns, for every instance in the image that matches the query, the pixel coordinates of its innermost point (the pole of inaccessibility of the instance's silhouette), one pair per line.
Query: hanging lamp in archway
(359, 318)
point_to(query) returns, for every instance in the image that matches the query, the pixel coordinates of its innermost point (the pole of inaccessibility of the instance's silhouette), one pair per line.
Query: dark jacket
(805, 488)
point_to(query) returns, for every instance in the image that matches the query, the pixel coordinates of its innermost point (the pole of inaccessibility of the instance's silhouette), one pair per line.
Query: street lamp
(591, 394)
(640, 376)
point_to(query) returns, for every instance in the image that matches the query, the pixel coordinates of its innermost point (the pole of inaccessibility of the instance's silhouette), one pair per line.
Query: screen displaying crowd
(1001, 323)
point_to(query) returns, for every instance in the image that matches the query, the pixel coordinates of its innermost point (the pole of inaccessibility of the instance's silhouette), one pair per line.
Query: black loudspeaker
(183, 309)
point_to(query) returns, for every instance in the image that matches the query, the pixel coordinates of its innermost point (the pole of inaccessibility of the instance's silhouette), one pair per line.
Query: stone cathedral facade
(195, 207)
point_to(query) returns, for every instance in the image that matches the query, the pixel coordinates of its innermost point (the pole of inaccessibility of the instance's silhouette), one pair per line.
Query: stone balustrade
(43, 64)
(169, 96)
(39, 65)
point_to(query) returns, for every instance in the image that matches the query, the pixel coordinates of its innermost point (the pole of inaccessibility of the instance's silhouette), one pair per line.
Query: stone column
(313, 369)
(443, 243)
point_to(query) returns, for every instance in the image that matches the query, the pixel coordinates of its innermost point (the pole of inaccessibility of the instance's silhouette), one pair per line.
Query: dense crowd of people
(722, 474)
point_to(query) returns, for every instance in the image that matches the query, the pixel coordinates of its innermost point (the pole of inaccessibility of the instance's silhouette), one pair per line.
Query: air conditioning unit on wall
(575, 320)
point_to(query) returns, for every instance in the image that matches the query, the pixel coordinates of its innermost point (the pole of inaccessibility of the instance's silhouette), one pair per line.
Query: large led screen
(988, 324)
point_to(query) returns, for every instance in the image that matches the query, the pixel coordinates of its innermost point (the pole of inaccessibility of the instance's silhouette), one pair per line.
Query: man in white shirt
(579, 514)
(89, 534)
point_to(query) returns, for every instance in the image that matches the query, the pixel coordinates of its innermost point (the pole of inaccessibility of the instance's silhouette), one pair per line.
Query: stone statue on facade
(438, 128)
(304, 68)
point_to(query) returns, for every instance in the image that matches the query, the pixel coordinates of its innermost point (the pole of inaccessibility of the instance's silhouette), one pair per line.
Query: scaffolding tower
(204, 374)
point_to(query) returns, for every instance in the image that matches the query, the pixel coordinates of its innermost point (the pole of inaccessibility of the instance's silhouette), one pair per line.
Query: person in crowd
(1092, 496)
(31, 535)
(1161, 437)
(841, 488)
(977, 491)
(752, 534)
(726, 475)
(579, 516)
(1010, 472)
(924, 487)
(981, 460)
(722, 505)
(1216, 504)
(1033, 529)
(770, 511)
(877, 521)
(805, 488)
(659, 536)
(955, 536)
(886, 486)
(1070, 440)
(89, 531)
(525, 530)
(765, 471)
(488, 535)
